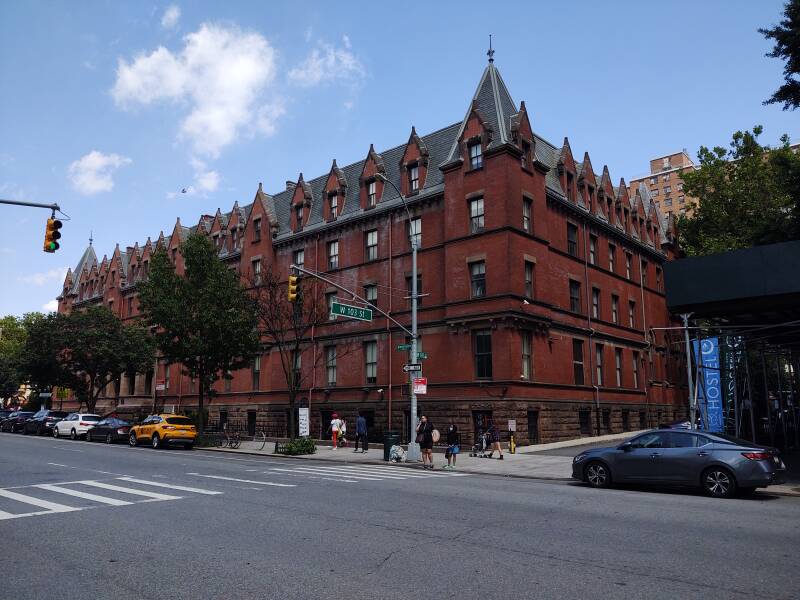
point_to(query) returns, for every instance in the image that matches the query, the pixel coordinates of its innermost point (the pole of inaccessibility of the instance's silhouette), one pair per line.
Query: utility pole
(413, 446)
(692, 399)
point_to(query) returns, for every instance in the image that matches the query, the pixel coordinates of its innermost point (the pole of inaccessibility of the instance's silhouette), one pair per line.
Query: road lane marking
(85, 495)
(50, 506)
(243, 480)
(119, 488)
(373, 473)
(181, 488)
(60, 465)
(313, 471)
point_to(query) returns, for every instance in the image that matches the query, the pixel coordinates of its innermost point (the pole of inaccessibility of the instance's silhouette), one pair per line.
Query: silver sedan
(720, 464)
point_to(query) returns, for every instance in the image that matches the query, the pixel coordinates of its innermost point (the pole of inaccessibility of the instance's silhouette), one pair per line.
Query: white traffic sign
(420, 385)
(303, 422)
(412, 367)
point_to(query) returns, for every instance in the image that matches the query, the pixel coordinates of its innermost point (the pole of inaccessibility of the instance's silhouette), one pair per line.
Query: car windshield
(121, 423)
(90, 418)
(180, 421)
(58, 413)
(25, 414)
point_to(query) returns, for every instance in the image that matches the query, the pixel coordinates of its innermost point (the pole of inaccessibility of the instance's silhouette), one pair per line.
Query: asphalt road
(138, 523)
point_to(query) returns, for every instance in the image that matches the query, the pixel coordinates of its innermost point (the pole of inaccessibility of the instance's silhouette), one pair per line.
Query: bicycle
(229, 440)
(261, 436)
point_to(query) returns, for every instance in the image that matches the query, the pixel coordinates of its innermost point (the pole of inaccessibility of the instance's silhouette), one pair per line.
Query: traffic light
(51, 235)
(292, 288)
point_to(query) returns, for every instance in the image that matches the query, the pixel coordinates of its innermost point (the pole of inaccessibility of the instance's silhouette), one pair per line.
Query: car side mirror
(626, 447)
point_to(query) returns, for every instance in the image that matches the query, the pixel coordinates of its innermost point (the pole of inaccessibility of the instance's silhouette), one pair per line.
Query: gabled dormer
(587, 183)
(147, 254)
(115, 270)
(301, 204)
(605, 195)
(261, 222)
(235, 227)
(218, 231)
(179, 233)
(567, 172)
(413, 165)
(522, 137)
(134, 264)
(475, 139)
(334, 194)
(371, 187)
(623, 206)
(84, 291)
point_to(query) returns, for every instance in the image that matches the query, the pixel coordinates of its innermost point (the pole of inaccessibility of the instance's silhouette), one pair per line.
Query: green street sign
(354, 312)
(422, 355)
(401, 347)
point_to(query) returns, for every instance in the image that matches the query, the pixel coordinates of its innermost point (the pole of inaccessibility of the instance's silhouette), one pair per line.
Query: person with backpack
(425, 441)
(361, 433)
(334, 429)
(453, 447)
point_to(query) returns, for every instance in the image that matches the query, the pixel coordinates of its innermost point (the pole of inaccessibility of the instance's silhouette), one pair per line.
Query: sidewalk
(530, 464)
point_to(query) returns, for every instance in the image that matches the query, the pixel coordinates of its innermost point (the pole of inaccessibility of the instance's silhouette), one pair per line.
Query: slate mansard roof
(498, 111)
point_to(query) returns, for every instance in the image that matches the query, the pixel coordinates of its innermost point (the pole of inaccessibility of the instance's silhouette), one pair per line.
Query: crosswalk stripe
(170, 486)
(243, 480)
(119, 488)
(84, 495)
(50, 506)
(356, 472)
(311, 470)
(416, 472)
(391, 473)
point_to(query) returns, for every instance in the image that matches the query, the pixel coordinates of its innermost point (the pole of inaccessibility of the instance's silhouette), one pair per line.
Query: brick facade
(497, 265)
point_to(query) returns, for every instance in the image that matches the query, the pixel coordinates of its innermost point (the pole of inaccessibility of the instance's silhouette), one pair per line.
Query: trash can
(390, 438)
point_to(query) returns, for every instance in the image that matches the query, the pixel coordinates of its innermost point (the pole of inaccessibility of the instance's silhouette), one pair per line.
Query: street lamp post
(413, 446)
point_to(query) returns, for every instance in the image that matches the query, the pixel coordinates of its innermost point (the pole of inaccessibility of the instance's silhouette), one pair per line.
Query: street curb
(411, 466)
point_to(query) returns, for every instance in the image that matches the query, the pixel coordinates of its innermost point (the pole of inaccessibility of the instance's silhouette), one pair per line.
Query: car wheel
(597, 474)
(55, 432)
(156, 442)
(88, 437)
(24, 430)
(73, 435)
(40, 431)
(719, 482)
(109, 439)
(132, 439)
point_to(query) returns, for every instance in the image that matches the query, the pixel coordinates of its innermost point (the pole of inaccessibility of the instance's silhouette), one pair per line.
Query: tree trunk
(201, 414)
(292, 427)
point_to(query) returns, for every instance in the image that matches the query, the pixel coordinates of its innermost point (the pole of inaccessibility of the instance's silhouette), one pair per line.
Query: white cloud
(171, 16)
(221, 76)
(40, 279)
(327, 63)
(92, 173)
(51, 306)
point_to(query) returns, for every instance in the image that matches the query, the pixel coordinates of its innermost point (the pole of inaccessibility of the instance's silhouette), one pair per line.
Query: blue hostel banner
(709, 386)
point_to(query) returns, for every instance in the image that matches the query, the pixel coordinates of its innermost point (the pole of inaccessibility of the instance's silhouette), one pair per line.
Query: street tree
(12, 337)
(787, 47)
(748, 195)
(204, 320)
(85, 351)
(287, 329)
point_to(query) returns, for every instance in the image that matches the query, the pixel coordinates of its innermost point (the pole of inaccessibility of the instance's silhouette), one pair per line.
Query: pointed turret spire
(490, 52)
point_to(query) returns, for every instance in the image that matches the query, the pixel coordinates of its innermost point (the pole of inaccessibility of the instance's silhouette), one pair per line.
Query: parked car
(43, 421)
(75, 425)
(16, 421)
(164, 430)
(719, 463)
(110, 430)
(4, 414)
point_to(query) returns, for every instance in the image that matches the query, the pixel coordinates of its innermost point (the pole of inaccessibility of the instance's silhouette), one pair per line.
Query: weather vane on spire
(90, 238)
(490, 53)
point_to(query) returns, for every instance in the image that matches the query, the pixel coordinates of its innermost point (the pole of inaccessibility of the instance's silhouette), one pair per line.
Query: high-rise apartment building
(665, 183)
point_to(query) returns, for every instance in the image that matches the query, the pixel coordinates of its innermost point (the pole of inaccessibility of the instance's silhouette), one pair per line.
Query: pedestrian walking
(494, 436)
(425, 441)
(361, 433)
(343, 434)
(334, 429)
(453, 446)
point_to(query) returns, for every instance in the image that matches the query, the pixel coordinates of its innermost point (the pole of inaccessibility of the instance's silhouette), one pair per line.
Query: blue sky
(111, 108)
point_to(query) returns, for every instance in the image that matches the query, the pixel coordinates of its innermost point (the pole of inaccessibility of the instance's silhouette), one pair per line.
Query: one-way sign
(412, 367)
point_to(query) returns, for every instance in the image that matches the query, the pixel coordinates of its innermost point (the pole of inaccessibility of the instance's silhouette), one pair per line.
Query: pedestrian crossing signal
(292, 288)
(52, 235)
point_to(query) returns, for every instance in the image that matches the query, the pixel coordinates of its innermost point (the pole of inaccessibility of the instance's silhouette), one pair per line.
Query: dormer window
(525, 159)
(333, 206)
(372, 194)
(570, 187)
(413, 178)
(257, 230)
(298, 215)
(215, 239)
(233, 238)
(475, 156)
(174, 258)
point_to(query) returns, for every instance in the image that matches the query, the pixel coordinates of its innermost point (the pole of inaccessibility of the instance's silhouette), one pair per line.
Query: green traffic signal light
(51, 235)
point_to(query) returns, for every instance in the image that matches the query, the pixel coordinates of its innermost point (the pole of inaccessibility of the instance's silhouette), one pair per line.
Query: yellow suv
(164, 430)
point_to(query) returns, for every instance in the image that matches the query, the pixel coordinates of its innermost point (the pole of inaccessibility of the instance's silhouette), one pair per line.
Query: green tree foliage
(205, 319)
(84, 351)
(12, 337)
(787, 47)
(748, 195)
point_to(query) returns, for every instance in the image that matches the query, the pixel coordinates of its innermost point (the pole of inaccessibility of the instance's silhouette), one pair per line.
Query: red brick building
(543, 284)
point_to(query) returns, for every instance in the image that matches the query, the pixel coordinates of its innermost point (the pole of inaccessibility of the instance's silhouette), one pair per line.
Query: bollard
(512, 444)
